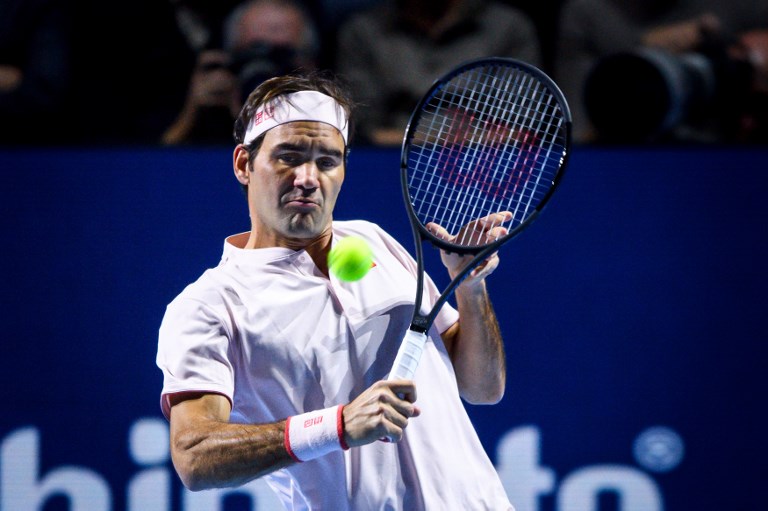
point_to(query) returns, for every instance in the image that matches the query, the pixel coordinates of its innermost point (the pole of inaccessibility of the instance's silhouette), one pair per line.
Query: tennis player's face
(294, 182)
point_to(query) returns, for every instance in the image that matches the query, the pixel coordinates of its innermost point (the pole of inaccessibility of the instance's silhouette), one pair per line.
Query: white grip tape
(408, 356)
(314, 434)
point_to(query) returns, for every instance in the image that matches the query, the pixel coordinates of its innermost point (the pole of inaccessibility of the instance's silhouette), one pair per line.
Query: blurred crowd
(175, 72)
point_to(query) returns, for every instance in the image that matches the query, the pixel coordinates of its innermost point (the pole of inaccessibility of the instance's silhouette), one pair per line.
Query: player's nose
(306, 175)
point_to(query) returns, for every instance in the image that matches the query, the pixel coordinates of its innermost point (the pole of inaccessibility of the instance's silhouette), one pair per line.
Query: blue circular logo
(659, 449)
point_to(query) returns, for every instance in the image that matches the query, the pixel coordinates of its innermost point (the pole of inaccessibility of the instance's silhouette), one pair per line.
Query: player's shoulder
(363, 228)
(209, 289)
(377, 236)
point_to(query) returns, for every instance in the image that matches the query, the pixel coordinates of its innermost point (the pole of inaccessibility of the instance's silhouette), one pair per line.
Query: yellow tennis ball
(350, 259)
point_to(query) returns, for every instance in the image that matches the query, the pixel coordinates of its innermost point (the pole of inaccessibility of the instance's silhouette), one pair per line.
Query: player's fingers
(394, 420)
(396, 423)
(402, 389)
(495, 219)
(497, 232)
(398, 416)
(438, 230)
(378, 413)
(394, 435)
(486, 229)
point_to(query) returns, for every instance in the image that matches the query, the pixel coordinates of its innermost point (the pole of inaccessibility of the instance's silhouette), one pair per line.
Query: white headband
(306, 105)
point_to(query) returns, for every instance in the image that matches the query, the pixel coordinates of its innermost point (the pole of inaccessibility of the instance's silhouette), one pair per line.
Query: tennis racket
(492, 135)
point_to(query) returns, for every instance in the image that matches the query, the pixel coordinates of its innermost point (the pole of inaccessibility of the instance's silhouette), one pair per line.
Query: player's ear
(240, 159)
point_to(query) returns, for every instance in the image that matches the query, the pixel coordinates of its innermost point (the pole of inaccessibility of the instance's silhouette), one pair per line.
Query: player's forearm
(478, 350)
(215, 454)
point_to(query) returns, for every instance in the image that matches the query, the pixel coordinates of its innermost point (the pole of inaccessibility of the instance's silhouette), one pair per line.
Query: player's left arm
(474, 343)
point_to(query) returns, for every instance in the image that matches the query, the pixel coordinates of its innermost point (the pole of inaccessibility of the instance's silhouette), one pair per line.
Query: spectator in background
(202, 21)
(261, 39)
(35, 71)
(752, 46)
(655, 71)
(392, 52)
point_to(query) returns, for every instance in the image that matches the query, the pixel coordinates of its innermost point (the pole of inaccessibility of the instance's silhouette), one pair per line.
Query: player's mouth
(301, 203)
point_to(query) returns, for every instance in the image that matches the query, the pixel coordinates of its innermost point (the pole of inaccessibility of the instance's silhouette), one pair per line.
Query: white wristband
(314, 434)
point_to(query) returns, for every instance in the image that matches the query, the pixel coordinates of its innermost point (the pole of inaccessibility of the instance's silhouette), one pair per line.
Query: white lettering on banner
(581, 489)
(517, 460)
(261, 496)
(518, 456)
(149, 490)
(23, 488)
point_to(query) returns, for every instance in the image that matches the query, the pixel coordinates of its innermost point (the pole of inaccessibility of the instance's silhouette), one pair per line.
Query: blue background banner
(634, 311)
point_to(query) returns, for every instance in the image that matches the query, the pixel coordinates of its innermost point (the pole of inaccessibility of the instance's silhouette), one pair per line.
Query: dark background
(129, 66)
(638, 299)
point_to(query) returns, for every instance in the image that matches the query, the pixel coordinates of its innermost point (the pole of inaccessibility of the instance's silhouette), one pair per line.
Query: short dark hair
(267, 91)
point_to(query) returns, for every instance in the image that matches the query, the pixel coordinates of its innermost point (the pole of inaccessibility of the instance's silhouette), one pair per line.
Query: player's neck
(317, 248)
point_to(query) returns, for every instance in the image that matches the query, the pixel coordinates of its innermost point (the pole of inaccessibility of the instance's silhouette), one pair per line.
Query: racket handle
(408, 356)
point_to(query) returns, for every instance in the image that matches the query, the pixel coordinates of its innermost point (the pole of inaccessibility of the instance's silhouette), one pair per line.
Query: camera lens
(641, 95)
(261, 61)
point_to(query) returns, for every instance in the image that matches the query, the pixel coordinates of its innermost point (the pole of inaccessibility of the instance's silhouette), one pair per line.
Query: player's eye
(291, 158)
(327, 163)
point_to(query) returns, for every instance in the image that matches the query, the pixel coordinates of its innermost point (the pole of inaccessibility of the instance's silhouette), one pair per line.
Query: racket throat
(420, 325)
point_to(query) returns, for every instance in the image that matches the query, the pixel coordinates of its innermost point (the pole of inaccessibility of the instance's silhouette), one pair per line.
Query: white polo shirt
(267, 330)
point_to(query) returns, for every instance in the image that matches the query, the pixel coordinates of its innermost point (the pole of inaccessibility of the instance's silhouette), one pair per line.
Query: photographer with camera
(261, 39)
(639, 71)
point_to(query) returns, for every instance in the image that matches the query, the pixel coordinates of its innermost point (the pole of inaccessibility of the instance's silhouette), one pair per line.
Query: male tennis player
(274, 368)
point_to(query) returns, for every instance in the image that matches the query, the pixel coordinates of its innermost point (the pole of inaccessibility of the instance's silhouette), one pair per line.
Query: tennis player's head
(292, 139)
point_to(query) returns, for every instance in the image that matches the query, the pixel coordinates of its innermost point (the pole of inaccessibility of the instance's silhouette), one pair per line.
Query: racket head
(491, 135)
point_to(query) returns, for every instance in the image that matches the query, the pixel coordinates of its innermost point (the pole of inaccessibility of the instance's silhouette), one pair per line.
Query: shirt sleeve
(194, 352)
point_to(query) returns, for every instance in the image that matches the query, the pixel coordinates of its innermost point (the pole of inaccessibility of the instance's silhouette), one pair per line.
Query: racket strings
(490, 140)
(483, 158)
(475, 133)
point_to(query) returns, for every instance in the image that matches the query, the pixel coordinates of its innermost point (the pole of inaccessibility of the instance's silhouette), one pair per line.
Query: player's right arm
(210, 452)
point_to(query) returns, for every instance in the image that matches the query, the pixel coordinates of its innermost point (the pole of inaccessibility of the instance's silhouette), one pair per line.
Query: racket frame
(419, 322)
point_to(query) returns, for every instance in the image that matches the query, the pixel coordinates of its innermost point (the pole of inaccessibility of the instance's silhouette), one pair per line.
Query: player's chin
(306, 225)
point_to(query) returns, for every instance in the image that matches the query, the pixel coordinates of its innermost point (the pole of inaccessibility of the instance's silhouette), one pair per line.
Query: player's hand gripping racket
(491, 136)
